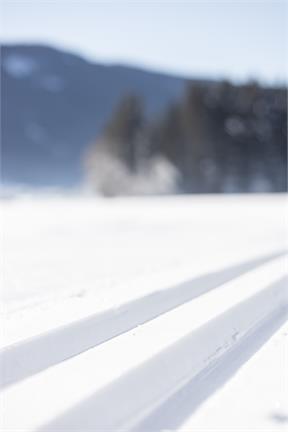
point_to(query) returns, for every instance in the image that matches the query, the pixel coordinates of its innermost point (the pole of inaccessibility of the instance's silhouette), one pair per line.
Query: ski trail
(211, 379)
(31, 356)
(138, 401)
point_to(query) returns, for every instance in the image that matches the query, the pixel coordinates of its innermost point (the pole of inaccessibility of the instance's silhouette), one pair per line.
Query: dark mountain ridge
(55, 103)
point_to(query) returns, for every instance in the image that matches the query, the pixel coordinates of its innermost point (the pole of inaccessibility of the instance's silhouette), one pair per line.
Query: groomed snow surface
(144, 314)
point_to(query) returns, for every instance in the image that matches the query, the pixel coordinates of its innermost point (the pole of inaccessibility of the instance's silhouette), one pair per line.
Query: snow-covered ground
(256, 397)
(92, 254)
(155, 304)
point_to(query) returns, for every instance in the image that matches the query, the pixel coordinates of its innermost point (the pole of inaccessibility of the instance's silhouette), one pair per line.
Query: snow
(109, 251)
(19, 66)
(118, 384)
(256, 397)
(53, 347)
(183, 291)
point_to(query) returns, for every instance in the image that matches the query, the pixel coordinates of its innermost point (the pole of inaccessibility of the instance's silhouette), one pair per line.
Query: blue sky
(238, 40)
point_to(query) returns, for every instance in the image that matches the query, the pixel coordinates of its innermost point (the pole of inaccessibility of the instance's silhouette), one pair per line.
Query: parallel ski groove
(172, 369)
(40, 352)
(169, 353)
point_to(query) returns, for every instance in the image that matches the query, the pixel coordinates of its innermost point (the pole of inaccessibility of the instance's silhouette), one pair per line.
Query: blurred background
(144, 97)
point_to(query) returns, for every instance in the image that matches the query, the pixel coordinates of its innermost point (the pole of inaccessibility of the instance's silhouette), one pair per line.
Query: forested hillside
(219, 137)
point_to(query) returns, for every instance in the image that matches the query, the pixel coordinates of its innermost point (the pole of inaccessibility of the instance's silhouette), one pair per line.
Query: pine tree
(122, 135)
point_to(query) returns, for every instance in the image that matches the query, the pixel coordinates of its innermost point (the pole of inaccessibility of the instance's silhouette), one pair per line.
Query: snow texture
(144, 314)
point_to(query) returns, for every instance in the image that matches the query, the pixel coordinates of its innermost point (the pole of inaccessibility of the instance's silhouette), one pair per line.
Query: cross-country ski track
(193, 340)
(51, 348)
(178, 348)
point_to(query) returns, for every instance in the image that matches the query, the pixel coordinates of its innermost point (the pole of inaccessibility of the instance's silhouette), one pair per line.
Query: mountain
(55, 103)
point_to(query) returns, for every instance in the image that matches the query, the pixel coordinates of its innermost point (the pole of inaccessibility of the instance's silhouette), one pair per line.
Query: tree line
(219, 137)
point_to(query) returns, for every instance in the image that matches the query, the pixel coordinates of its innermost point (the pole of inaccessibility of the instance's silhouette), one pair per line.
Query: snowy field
(144, 314)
